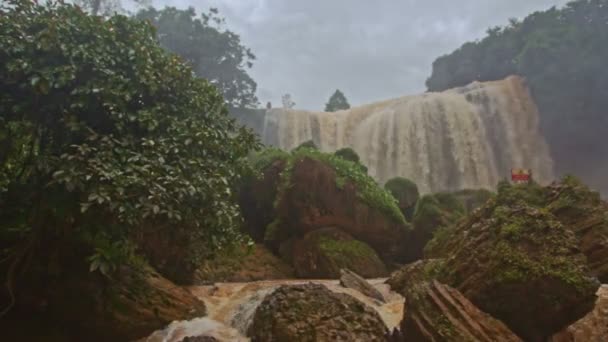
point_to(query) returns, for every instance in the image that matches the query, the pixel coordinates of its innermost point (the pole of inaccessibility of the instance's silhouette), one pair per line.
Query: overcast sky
(371, 50)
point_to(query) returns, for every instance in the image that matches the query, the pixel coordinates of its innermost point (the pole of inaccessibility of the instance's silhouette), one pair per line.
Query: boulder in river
(350, 279)
(311, 312)
(437, 312)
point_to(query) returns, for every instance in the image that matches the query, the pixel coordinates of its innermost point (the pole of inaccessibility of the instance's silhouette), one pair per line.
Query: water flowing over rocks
(462, 138)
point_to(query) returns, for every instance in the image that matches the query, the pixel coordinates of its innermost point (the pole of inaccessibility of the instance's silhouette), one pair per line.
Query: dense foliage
(105, 136)
(337, 102)
(562, 54)
(405, 192)
(214, 53)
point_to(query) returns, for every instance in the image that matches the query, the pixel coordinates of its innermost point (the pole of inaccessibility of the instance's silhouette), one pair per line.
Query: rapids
(468, 137)
(231, 307)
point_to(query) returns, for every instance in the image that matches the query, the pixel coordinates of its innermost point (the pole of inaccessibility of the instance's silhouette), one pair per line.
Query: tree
(287, 102)
(214, 53)
(107, 7)
(105, 137)
(337, 102)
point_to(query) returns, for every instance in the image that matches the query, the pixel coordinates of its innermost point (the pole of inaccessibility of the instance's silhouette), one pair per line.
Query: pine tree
(337, 102)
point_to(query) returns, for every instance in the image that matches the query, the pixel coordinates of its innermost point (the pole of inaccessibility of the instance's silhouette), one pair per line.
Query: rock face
(591, 328)
(317, 198)
(437, 312)
(314, 313)
(242, 266)
(583, 211)
(472, 199)
(352, 280)
(322, 253)
(519, 264)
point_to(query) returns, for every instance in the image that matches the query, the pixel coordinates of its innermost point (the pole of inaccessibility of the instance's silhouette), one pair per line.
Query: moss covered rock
(406, 193)
(319, 190)
(322, 253)
(521, 265)
(583, 211)
(437, 312)
(301, 313)
(242, 265)
(433, 213)
(472, 199)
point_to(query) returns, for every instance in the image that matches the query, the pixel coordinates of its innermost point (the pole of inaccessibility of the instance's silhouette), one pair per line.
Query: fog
(370, 50)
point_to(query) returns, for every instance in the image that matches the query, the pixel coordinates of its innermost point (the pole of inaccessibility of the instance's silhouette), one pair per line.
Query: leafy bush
(348, 154)
(306, 144)
(406, 193)
(103, 131)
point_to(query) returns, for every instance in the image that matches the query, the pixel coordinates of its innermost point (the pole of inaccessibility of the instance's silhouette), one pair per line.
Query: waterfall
(468, 137)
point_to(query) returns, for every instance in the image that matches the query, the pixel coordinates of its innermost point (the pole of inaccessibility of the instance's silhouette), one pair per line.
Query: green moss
(307, 145)
(348, 154)
(346, 253)
(346, 171)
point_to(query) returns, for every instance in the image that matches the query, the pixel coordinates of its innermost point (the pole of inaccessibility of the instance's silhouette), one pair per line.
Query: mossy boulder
(406, 193)
(243, 264)
(521, 265)
(311, 312)
(583, 211)
(433, 213)
(319, 190)
(437, 312)
(323, 253)
(349, 154)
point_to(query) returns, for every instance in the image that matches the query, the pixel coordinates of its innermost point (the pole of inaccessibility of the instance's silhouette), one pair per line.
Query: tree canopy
(214, 53)
(337, 102)
(562, 55)
(105, 136)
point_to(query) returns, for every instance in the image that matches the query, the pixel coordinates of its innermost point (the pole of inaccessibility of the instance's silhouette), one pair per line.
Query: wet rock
(519, 264)
(352, 280)
(322, 253)
(313, 313)
(243, 265)
(437, 312)
(412, 274)
(591, 328)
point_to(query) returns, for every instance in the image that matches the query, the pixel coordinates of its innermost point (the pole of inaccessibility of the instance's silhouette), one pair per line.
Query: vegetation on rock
(324, 252)
(310, 313)
(108, 143)
(406, 193)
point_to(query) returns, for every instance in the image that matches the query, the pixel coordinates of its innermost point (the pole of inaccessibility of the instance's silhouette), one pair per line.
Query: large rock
(472, 199)
(317, 198)
(243, 265)
(437, 312)
(412, 274)
(583, 211)
(519, 264)
(322, 253)
(352, 280)
(313, 313)
(591, 328)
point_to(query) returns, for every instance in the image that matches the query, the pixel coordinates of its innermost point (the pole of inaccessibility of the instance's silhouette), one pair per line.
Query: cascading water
(231, 307)
(467, 137)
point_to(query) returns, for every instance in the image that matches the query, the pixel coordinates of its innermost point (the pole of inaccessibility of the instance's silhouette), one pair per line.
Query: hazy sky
(371, 50)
